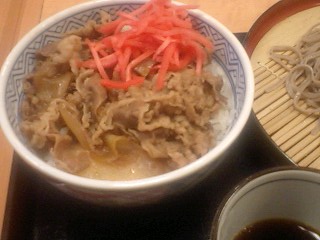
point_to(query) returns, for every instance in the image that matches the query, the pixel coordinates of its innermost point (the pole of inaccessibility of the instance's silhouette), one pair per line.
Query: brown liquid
(278, 229)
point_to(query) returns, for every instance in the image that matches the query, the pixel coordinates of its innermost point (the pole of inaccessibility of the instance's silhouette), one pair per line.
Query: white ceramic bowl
(280, 193)
(229, 54)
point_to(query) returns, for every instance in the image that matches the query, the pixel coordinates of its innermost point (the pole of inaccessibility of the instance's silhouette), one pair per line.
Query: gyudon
(124, 99)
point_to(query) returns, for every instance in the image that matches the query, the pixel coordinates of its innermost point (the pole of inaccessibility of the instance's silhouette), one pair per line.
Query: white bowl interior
(289, 194)
(229, 54)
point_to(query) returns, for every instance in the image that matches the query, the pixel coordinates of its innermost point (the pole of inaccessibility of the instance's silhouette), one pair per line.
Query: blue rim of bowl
(151, 182)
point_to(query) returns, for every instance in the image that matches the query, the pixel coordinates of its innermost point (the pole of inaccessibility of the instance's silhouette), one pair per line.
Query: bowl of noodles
(286, 71)
(126, 102)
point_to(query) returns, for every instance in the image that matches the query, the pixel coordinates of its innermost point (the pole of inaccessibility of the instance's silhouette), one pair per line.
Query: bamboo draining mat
(288, 128)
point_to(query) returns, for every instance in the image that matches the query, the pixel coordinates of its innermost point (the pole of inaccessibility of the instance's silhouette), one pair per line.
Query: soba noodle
(302, 61)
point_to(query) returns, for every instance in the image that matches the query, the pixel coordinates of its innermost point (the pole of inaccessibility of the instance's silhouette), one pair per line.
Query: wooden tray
(283, 24)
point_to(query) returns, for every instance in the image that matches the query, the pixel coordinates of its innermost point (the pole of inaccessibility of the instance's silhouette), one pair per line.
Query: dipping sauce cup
(289, 193)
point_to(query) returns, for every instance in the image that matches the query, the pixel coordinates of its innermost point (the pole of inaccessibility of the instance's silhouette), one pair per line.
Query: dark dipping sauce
(278, 229)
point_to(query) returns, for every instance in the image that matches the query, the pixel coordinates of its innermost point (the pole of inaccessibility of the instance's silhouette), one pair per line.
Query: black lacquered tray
(35, 210)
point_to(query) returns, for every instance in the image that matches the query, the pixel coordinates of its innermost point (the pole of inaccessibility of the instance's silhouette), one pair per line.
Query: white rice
(223, 118)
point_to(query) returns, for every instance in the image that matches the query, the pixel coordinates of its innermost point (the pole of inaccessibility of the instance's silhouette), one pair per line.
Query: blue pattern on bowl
(224, 54)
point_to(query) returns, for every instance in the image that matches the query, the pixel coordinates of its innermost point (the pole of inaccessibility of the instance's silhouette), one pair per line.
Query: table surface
(19, 16)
